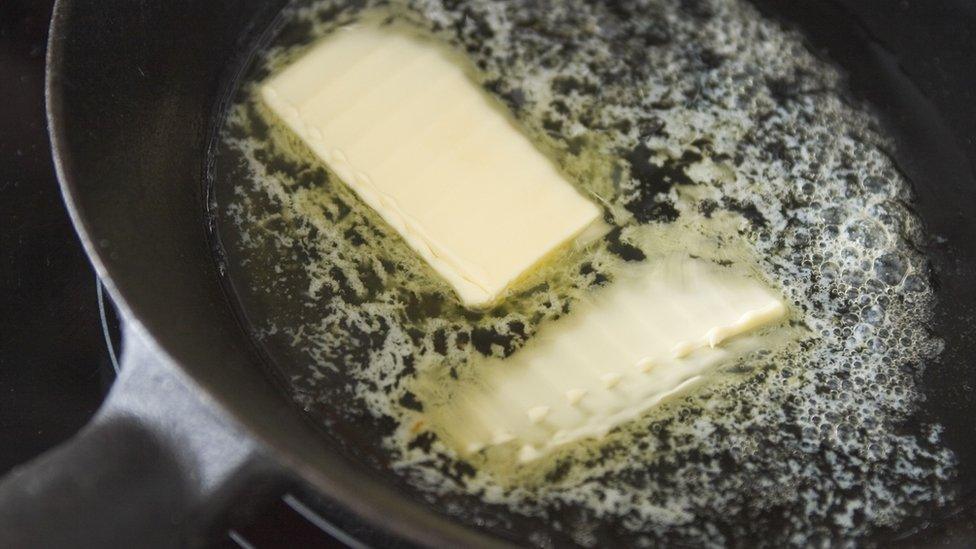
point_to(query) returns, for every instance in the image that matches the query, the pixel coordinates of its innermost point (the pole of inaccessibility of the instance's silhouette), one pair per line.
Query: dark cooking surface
(39, 283)
(53, 363)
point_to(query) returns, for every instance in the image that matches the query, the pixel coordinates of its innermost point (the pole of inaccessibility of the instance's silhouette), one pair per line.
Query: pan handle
(140, 474)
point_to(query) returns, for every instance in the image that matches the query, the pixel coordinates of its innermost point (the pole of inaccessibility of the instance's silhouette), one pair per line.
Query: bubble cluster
(694, 117)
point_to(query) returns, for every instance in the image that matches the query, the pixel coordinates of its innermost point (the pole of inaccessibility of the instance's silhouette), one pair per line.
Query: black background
(54, 367)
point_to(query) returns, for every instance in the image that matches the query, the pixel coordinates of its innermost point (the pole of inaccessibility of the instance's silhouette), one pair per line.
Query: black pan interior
(137, 93)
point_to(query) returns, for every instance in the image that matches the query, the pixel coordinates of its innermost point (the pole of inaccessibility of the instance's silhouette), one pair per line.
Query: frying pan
(135, 90)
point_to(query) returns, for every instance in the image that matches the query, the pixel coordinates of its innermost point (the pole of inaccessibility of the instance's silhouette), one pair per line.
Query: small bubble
(829, 270)
(866, 232)
(874, 184)
(914, 283)
(890, 268)
(863, 331)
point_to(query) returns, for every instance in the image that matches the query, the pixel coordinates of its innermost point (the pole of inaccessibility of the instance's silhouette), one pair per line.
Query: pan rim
(377, 502)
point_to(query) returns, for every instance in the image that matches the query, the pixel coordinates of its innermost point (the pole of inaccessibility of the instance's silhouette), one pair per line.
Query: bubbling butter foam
(700, 128)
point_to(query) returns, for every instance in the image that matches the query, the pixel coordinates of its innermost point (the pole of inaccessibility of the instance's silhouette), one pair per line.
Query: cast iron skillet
(134, 92)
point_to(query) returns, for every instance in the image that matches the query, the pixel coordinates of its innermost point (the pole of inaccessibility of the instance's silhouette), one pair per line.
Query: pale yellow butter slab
(611, 359)
(398, 119)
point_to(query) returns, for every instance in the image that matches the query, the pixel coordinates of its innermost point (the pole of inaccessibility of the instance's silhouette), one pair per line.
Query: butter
(397, 118)
(631, 345)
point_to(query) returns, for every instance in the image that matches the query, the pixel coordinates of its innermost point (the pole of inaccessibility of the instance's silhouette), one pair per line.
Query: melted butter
(800, 435)
(624, 349)
(402, 124)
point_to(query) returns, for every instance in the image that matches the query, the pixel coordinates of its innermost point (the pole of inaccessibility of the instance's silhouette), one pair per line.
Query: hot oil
(702, 129)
